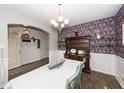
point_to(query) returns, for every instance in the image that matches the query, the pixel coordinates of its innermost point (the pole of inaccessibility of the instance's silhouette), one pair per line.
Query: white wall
(53, 53)
(30, 52)
(8, 16)
(120, 70)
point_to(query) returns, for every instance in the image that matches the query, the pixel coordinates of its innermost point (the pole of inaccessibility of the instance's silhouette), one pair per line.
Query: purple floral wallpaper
(104, 45)
(111, 27)
(119, 20)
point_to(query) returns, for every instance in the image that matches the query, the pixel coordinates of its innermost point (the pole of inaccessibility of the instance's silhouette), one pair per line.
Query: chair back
(75, 80)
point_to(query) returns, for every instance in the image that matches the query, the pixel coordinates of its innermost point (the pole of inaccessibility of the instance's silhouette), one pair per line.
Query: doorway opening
(24, 51)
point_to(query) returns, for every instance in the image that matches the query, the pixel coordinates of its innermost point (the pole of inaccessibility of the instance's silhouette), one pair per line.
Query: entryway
(27, 44)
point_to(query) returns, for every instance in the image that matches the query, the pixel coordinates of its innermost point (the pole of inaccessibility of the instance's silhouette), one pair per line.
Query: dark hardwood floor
(95, 80)
(27, 67)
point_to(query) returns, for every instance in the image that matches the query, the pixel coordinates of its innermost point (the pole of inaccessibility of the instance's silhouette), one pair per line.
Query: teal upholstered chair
(75, 81)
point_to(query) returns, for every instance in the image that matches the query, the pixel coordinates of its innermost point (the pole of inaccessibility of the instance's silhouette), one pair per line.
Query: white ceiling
(77, 14)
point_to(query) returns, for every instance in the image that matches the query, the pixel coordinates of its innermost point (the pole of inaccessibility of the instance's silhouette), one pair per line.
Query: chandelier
(61, 22)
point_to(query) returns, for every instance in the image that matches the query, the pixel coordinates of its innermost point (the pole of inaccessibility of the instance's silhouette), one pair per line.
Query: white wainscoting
(120, 70)
(53, 54)
(3, 72)
(104, 63)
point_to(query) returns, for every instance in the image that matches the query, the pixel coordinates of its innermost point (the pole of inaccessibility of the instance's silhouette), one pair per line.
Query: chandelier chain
(59, 11)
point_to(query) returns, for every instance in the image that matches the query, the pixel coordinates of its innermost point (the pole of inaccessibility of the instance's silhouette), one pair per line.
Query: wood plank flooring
(27, 67)
(95, 80)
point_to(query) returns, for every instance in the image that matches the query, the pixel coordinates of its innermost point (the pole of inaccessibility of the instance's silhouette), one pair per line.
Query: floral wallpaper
(119, 20)
(104, 45)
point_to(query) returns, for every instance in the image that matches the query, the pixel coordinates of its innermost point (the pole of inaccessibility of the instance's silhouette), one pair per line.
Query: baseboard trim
(101, 71)
(120, 81)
